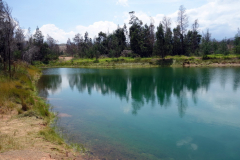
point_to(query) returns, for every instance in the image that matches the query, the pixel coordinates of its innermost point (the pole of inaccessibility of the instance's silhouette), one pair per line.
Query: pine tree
(38, 37)
(160, 41)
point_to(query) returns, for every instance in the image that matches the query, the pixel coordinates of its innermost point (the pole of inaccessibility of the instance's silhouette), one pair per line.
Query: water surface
(153, 113)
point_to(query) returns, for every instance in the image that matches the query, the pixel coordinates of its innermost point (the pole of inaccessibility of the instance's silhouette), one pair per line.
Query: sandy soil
(65, 58)
(20, 140)
(214, 65)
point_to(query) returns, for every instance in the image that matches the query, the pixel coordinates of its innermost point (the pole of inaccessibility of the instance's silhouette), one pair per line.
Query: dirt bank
(20, 139)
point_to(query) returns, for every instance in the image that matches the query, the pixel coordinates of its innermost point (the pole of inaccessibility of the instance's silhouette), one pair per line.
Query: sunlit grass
(7, 142)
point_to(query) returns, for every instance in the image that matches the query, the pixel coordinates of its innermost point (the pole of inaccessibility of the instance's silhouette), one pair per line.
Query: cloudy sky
(62, 19)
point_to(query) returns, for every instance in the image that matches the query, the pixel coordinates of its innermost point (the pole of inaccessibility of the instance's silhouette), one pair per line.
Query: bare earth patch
(20, 140)
(65, 58)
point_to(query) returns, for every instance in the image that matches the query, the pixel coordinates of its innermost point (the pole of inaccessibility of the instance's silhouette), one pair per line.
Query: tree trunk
(9, 54)
(182, 45)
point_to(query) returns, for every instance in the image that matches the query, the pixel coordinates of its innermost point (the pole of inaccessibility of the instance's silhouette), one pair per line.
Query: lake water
(150, 113)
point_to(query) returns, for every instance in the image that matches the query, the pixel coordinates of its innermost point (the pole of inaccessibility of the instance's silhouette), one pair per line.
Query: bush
(96, 61)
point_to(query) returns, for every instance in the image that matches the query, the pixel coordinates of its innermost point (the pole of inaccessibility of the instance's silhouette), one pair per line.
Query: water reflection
(142, 86)
(49, 83)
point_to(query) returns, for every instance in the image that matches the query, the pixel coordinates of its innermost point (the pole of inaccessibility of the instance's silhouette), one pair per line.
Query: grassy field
(144, 62)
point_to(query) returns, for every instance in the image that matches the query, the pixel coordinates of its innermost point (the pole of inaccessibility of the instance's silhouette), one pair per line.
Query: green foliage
(49, 134)
(237, 43)
(159, 47)
(206, 45)
(17, 54)
(223, 49)
(38, 37)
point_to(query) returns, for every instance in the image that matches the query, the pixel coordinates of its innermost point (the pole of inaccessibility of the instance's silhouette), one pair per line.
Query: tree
(126, 35)
(152, 33)
(53, 47)
(7, 25)
(166, 23)
(237, 42)
(146, 45)
(135, 33)
(176, 41)
(159, 48)
(223, 48)
(102, 43)
(183, 24)
(168, 43)
(20, 42)
(196, 37)
(70, 47)
(119, 33)
(78, 41)
(38, 37)
(206, 46)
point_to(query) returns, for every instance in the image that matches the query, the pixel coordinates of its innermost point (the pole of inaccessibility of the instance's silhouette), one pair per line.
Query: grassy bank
(28, 114)
(146, 62)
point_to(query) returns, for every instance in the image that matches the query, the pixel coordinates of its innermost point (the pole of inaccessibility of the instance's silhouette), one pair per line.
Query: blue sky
(63, 19)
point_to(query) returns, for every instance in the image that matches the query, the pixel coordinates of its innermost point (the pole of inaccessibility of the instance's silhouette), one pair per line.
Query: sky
(63, 19)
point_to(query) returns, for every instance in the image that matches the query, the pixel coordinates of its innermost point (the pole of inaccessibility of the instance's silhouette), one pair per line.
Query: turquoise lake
(148, 113)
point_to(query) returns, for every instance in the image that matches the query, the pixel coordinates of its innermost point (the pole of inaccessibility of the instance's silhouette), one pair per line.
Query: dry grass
(8, 143)
(18, 88)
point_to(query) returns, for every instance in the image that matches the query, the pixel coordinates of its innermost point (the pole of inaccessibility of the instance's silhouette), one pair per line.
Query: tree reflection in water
(143, 85)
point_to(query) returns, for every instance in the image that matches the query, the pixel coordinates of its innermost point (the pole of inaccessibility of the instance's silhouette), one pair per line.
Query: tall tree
(53, 47)
(168, 45)
(196, 37)
(7, 26)
(166, 23)
(160, 41)
(38, 37)
(152, 33)
(237, 42)
(176, 41)
(20, 42)
(183, 24)
(136, 35)
(70, 47)
(206, 45)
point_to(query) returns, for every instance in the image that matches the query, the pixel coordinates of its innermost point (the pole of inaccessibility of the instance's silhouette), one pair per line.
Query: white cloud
(56, 33)
(95, 28)
(222, 17)
(123, 2)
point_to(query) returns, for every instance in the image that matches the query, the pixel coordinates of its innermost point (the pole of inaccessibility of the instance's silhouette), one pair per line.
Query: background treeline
(139, 41)
(146, 41)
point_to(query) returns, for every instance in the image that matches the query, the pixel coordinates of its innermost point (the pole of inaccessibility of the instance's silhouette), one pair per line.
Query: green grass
(176, 60)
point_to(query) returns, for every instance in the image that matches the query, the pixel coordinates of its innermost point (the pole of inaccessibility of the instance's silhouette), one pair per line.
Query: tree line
(142, 40)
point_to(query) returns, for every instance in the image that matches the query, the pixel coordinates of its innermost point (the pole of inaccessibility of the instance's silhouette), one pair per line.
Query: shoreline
(122, 66)
(151, 62)
(30, 134)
